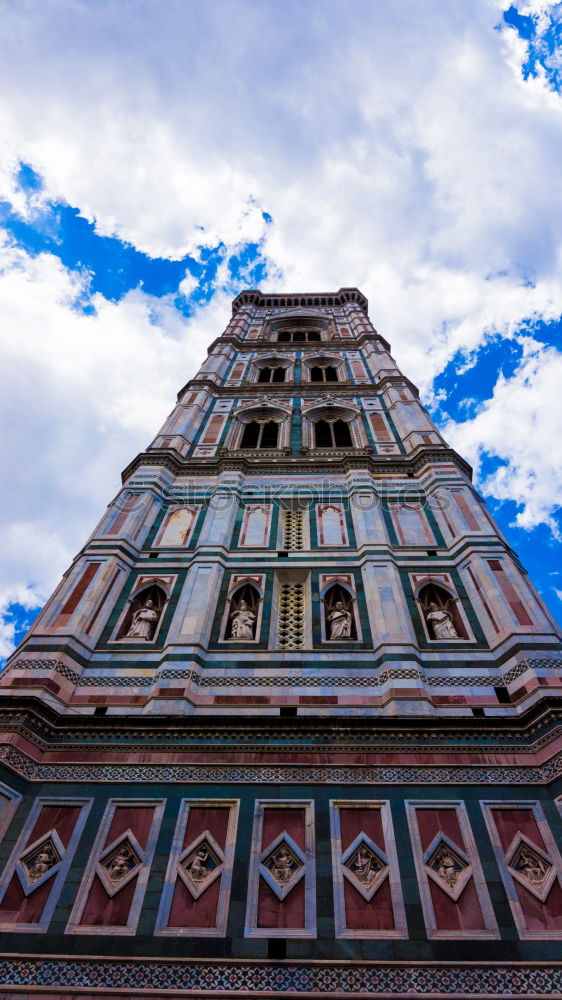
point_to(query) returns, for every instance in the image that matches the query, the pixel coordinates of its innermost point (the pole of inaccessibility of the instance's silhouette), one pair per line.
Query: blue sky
(139, 191)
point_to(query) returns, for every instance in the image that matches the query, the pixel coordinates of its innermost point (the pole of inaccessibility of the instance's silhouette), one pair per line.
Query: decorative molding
(281, 864)
(450, 866)
(281, 774)
(181, 861)
(116, 864)
(192, 978)
(45, 858)
(42, 663)
(525, 867)
(385, 867)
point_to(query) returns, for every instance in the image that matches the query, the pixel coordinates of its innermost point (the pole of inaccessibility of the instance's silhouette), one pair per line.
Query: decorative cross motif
(365, 866)
(282, 865)
(200, 864)
(40, 861)
(530, 866)
(120, 862)
(447, 865)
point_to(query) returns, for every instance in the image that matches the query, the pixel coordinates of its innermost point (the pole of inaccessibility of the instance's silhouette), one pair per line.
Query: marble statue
(282, 866)
(366, 867)
(143, 623)
(440, 622)
(243, 621)
(197, 868)
(339, 621)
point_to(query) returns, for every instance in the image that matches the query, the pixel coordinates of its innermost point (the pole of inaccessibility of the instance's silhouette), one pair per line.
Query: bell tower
(290, 722)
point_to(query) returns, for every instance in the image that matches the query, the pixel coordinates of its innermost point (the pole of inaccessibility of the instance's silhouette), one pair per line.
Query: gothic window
(332, 434)
(441, 615)
(298, 336)
(324, 373)
(293, 529)
(260, 435)
(142, 618)
(268, 374)
(243, 614)
(338, 612)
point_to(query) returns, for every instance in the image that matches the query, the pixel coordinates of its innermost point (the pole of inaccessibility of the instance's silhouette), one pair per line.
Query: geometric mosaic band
(284, 773)
(254, 978)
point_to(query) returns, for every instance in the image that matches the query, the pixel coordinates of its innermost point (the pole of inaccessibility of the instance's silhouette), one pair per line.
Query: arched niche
(441, 614)
(143, 614)
(243, 607)
(339, 613)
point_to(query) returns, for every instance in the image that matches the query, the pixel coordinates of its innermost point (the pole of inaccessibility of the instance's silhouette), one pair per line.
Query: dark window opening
(297, 336)
(277, 948)
(271, 374)
(325, 373)
(101, 710)
(332, 434)
(503, 696)
(260, 435)
(288, 712)
(478, 713)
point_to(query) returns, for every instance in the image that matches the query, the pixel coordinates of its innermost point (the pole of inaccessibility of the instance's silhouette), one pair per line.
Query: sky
(155, 158)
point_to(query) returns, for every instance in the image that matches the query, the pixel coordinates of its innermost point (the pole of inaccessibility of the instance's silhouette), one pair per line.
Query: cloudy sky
(157, 157)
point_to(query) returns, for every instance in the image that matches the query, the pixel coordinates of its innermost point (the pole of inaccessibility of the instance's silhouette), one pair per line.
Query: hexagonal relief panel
(447, 865)
(40, 861)
(282, 865)
(120, 862)
(530, 866)
(365, 866)
(200, 864)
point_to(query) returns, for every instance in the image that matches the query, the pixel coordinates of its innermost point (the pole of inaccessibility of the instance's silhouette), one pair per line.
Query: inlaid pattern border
(283, 774)
(254, 978)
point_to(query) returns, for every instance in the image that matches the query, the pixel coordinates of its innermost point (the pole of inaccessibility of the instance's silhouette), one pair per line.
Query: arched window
(144, 613)
(332, 434)
(243, 614)
(296, 336)
(260, 435)
(338, 612)
(441, 614)
(324, 373)
(272, 374)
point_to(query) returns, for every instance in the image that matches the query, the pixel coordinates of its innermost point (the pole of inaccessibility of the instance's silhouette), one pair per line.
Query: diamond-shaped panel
(39, 861)
(365, 866)
(200, 864)
(531, 867)
(282, 865)
(120, 862)
(447, 865)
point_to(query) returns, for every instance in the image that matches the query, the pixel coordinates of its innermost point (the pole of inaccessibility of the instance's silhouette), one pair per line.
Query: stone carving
(243, 622)
(339, 621)
(440, 622)
(119, 863)
(531, 867)
(447, 865)
(144, 622)
(282, 865)
(200, 864)
(365, 866)
(39, 861)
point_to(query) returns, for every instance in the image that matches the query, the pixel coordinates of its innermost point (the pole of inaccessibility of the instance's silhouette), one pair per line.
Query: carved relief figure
(440, 622)
(242, 622)
(365, 866)
(339, 621)
(121, 865)
(197, 868)
(42, 864)
(531, 866)
(447, 869)
(144, 621)
(283, 864)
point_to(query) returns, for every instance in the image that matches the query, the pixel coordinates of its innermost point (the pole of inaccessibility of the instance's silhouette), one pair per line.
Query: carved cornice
(304, 300)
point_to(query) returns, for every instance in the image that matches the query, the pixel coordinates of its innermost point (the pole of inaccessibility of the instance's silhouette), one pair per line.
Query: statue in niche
(440, 622)
(365, 867)
(42, 864)
(283, 863)
(144, 621)
(242, 622)
(197, 869)
(121, 865)
(339, 621)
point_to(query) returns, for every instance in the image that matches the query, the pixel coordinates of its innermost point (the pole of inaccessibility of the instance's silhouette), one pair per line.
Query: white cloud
(521, 425)
(396, 146)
